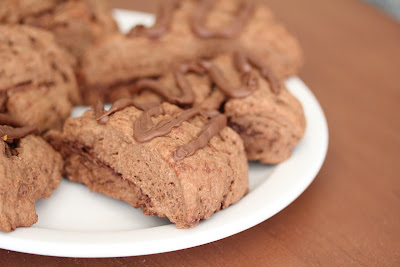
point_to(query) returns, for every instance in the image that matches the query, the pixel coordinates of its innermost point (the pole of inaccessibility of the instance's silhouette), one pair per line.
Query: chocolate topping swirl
(245, 10)
(163, 21)
(7, 131)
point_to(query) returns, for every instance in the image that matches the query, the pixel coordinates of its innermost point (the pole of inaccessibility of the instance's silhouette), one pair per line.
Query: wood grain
(350, 215)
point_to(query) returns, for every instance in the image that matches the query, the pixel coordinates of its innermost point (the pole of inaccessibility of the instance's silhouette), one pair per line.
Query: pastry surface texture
(76, 24)
(30, 169)
(118, 60)
(108, 159)
(37, 81)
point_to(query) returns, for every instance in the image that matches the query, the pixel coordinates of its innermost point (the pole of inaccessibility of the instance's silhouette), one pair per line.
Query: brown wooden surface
(350, 215)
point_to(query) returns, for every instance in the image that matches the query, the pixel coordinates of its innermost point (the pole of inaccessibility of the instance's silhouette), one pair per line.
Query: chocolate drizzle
(212, 128)
(243, 63)
(245, 10)
(7, 120)
(145, 130)
(163, 21)
(7, 131)
(187, 97)
(103, 116)
(267, 73)
(249, 81)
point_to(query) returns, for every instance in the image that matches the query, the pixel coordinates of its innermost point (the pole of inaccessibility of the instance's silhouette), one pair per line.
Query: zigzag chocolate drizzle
(163, 21)
(243, 63)
(245, 10)
(145, 130)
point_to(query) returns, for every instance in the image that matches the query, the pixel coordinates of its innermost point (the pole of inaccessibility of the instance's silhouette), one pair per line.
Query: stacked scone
(194, 98)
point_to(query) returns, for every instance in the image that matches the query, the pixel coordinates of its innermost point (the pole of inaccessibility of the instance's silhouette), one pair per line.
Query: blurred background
(390, 6)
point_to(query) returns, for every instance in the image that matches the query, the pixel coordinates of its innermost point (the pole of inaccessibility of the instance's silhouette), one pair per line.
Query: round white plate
(77, 223)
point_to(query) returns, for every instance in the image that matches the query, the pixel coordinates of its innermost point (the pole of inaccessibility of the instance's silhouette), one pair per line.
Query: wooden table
(350, 215)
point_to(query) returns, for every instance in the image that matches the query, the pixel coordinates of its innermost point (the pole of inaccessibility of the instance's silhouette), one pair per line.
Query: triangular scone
(108, 159)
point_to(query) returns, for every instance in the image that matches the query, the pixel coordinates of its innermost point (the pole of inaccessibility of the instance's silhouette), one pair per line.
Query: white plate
(77, 223)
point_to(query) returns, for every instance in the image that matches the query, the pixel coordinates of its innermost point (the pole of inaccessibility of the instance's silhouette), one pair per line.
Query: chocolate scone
(270, 120)
(30, 169)
(183, 165)
(184, 31)
(37, 81)
(266, 115)
(186, 86)
(76, 24)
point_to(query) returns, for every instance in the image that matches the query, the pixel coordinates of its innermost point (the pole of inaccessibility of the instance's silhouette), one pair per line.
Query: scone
(183, 165)
(186, 86)
(181, 35)
(266, 115)
(76, 24)
(30, 169)
(268, 118)
(37, 81)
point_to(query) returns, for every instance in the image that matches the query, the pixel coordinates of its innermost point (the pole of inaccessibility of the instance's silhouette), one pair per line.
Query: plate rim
(168, 237)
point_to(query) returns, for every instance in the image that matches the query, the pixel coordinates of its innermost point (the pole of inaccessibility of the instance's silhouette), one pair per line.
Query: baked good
(184, 31)
(76, 24)
(168, 162)
(270, 120)
(186, 86)
(30, 169)
(267, 116)
(37, 81)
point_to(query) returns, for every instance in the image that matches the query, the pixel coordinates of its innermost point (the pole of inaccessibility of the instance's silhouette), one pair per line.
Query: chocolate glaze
(212, 128)
(9, 134)
(163, 22)
(245, 10)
